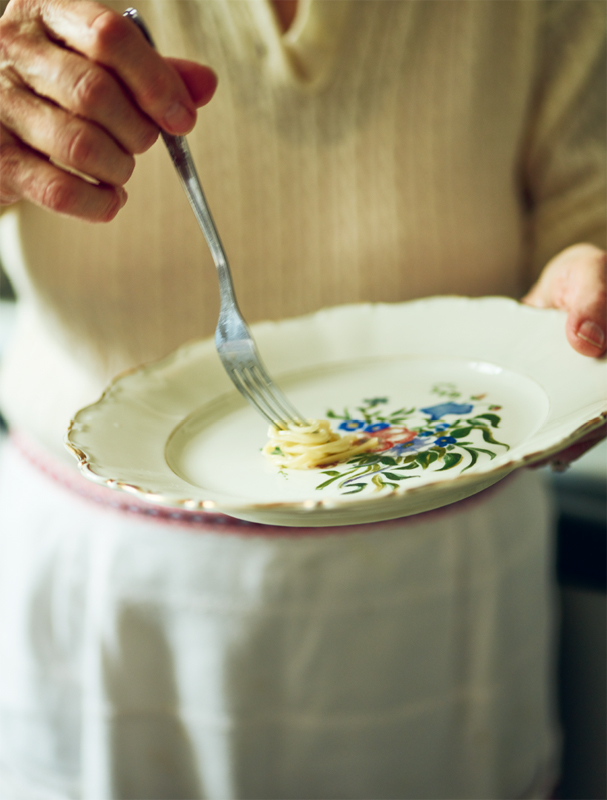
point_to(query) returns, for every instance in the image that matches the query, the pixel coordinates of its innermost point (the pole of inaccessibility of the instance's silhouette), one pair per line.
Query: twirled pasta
(314, 445)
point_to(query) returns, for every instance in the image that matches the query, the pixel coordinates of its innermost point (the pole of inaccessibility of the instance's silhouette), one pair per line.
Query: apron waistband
(115, 500)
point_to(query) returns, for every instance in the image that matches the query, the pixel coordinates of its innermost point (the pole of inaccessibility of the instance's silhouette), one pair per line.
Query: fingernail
(123, 196)
(179, 118)
(590, 332)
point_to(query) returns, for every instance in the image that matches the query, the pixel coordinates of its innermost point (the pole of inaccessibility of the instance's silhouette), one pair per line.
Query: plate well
(217, 447)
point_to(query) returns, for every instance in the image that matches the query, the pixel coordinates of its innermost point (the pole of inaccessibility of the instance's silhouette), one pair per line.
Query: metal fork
(233, 339)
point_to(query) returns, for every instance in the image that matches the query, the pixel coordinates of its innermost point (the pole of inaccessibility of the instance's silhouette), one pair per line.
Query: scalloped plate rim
(309, 506)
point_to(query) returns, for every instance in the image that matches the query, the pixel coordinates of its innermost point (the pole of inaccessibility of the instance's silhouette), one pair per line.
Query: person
(353, 151)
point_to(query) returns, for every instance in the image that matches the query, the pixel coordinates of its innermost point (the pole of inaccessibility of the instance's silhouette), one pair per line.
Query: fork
(233, 340)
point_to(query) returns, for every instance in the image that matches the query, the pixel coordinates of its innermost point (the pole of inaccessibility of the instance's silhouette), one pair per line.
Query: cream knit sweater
(379, 151)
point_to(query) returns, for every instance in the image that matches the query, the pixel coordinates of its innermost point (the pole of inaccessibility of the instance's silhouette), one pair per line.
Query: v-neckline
(298, 23)
(311, 41)
(286, 11)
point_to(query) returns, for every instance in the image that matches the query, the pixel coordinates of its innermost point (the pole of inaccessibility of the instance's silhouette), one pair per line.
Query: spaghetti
(314, 445)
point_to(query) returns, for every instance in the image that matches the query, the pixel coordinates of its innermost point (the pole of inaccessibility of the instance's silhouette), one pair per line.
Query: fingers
(200, 81)
(78, 86)
(576, 281)
(34, 130)
(81, 87)
(586, 301)
(114, 42)
(560, 461)
(64, 137)
(577, 450)
(27, 174)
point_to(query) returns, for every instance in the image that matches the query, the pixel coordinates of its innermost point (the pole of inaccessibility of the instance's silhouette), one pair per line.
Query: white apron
(140, 659)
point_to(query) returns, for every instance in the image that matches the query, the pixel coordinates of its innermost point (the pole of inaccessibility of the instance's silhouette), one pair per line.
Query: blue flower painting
(442, 409)
(443, 441)
(408, 443)
(376, 426)
(351, 425)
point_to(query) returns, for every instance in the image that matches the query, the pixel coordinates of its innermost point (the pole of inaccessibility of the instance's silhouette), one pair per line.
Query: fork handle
(184, 164)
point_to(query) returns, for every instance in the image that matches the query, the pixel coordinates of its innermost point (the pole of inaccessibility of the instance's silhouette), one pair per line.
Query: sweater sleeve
(565, 166)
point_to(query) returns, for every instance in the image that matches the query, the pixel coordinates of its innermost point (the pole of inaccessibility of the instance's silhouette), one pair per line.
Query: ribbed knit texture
(380, 151)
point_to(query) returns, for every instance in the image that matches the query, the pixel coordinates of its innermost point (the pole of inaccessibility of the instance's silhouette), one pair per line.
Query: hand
(80, 86)
(576, 281)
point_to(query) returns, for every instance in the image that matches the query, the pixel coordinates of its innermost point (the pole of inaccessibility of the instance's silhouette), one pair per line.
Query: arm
(80, 88)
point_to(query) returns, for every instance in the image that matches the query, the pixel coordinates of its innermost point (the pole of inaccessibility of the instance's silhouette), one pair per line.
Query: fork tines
(258, 388)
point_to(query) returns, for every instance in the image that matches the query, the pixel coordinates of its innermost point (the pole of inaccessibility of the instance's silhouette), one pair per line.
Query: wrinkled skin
(79, 84)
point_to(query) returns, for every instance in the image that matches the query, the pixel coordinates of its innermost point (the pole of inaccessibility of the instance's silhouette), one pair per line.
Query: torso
(339, 165)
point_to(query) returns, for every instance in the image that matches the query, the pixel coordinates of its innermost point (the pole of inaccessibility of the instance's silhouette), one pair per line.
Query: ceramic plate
(459, 392)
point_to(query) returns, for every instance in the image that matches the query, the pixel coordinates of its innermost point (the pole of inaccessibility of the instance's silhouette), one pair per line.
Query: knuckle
(19, 39)
(90, 88)
(109, 32)
(64, 196)
(10, 170)
(12, 32)
(122, 169)
(79, 146)
(146, 139)
(59, 195)
(158, 87)
(8, 35)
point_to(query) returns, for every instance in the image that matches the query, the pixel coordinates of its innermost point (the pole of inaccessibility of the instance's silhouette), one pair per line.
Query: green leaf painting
(414, 441)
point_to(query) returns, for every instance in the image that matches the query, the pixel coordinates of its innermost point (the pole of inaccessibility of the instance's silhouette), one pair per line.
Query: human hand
(80, 85)
(575, 280)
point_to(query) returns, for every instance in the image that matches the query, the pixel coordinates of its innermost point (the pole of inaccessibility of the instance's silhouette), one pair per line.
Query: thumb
(575, 281)
(200, 81)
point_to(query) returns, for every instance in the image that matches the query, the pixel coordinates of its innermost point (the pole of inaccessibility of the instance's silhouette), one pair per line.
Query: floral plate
(458, 392)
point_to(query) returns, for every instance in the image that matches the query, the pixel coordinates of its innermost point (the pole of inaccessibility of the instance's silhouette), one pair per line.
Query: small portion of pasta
(314, 445)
